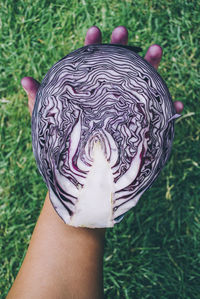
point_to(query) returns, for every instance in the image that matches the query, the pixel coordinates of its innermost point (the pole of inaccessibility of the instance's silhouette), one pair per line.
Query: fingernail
(22, 83)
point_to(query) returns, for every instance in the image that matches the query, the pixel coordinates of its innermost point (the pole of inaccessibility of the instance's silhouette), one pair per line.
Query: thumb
(30, 85)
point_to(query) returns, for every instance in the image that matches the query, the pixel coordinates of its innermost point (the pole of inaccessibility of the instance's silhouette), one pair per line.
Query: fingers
(30, 86)
(93, 36)
(119, 35)
(154, 55)
(178, 106)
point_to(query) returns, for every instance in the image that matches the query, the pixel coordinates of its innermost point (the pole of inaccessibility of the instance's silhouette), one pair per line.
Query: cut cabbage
(102, 130)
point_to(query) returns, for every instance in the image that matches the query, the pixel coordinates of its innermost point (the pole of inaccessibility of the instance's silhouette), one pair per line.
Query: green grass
(155, 251)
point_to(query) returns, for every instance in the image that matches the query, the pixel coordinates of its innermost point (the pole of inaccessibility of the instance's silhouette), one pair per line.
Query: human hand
(94, 36)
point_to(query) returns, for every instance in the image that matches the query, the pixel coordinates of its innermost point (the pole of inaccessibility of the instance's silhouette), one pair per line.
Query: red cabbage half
(102, 130)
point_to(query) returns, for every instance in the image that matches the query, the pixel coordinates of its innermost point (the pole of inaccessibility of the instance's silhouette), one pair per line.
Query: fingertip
(155, 51)
(119, 35)
(120, 28)
(154, 55)
(93, 36)
(178, 106)
(29, 84)
(24, 82)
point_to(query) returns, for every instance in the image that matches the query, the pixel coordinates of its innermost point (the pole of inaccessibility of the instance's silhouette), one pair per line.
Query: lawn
(155, 251)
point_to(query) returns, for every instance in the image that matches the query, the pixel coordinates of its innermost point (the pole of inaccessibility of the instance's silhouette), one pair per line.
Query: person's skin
(63, 261)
